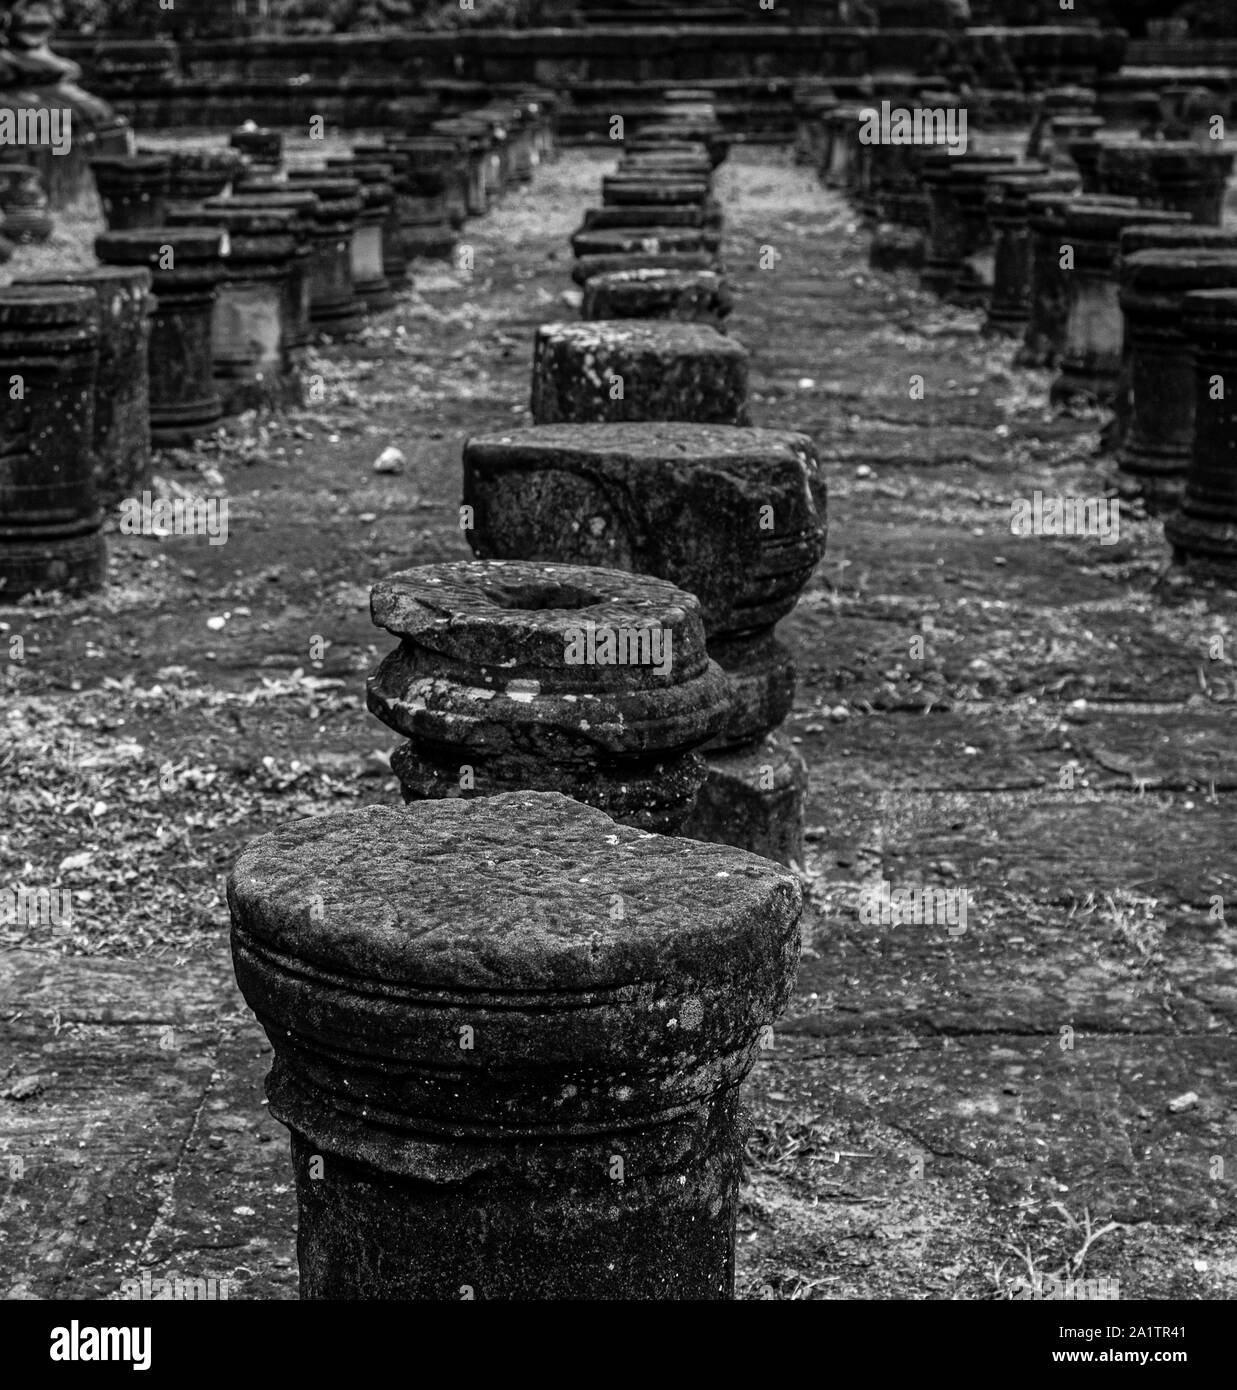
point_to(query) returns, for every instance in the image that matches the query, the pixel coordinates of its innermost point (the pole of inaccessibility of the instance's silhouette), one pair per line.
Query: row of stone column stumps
(641, 458)
(219, 268)
(510, 1021)
(1101, 248)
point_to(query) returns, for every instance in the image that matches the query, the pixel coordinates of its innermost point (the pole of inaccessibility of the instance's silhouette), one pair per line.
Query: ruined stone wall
(222, 19)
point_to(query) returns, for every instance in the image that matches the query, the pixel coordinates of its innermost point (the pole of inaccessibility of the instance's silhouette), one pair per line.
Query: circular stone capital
(511, 659)
(601, 977)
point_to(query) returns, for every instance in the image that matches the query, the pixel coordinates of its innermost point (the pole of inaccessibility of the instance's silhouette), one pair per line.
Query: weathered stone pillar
(49, 512)
(1009, 306)
(514, 676)
(431, 200)
(895, 191)
(519, 166)
(634, 215)
(498, 168)
(197, 174)
(369, 273)
(688, 161)
(1094, 331)
(1049, 313)
(900, 237)
(1176, 175)
(251, 362)
(651, 190)
(121, 439)
(541, 105)
(1084, 154)
(958, 253)
(812, 112)
(1156, 454)
(415, 113)
(1052, 103)
(634, 147)
(1070, 133)
(262, 149)
(614, 241)
(735, 516)
(186, 266)
(705, 131)
(334, 308)
(133, 189)
(24, 204)
(483, 135)
(841, 169)
(296, 330)
(584, 268)
(633, 369)
(394, 258)
(1187, 110)
(689, 296)
(1204, 532)
(509, 1037)
(597, 251)
(473, 144)
(1170, 237)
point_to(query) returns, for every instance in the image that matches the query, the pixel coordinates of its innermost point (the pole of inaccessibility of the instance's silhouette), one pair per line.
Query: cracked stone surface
(1059, 743)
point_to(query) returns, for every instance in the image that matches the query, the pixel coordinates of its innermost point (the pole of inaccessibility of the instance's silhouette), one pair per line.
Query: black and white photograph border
(617, 626)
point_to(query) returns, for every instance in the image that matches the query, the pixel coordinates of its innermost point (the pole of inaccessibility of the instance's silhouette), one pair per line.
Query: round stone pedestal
(958, 251)
(1204, 532)
(186, 266)
(1155, 456)
(49, 514)
(509, 1036)
(1092, 352)
(513, 675)
(1049, 307)
(122, 382)
(1009, 308)
(334, 308)
(133, 189)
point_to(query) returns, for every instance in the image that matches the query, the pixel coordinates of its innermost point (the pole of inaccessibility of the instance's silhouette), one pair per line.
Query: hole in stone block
(536, 594)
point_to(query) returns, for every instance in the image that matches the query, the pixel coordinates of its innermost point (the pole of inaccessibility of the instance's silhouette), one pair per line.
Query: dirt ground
(939, 1116)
